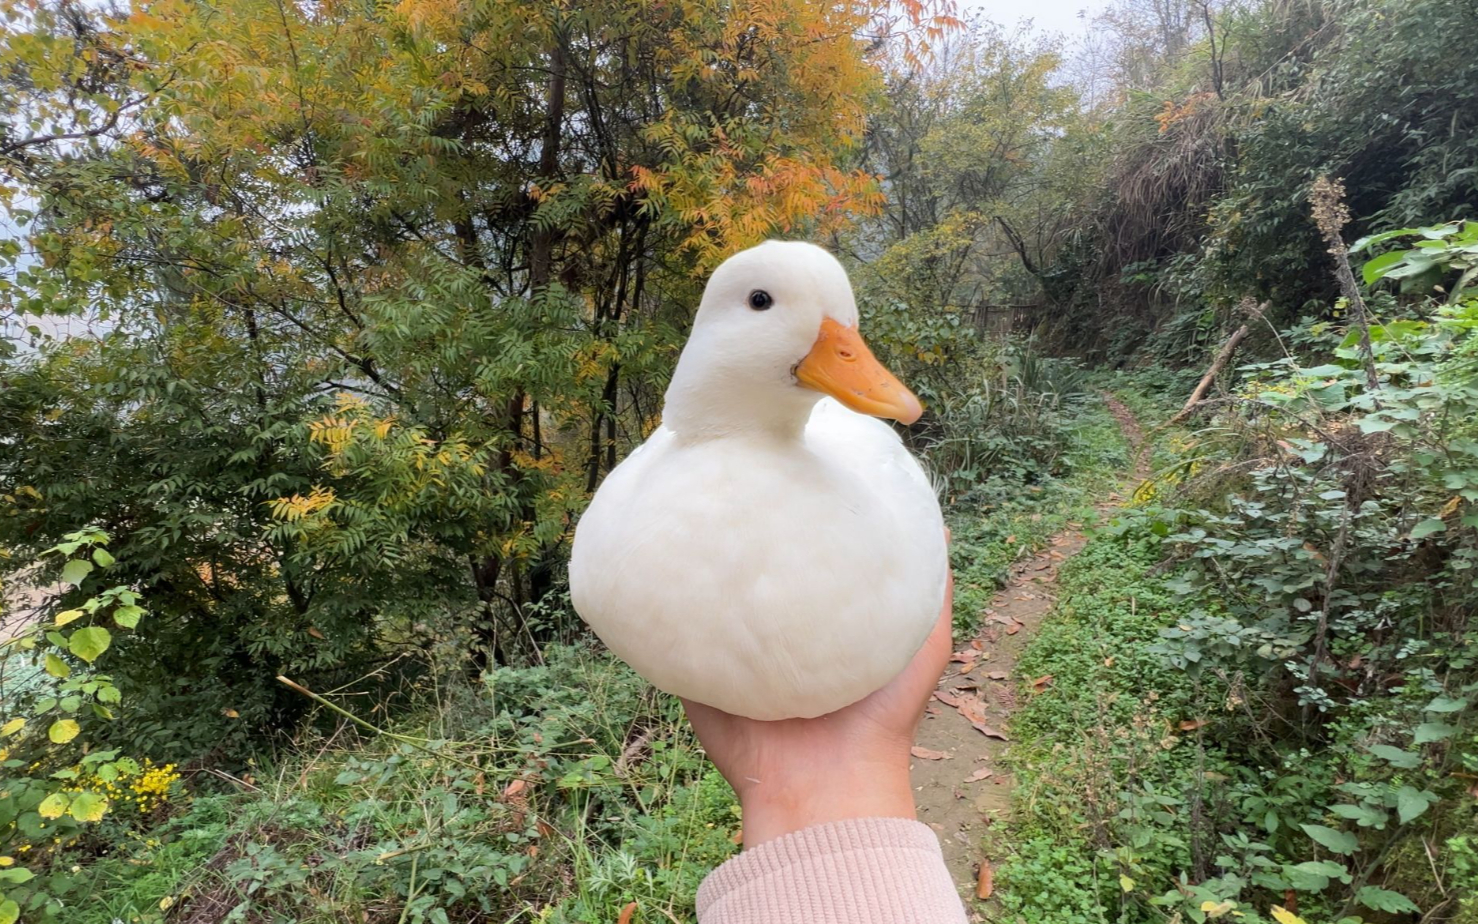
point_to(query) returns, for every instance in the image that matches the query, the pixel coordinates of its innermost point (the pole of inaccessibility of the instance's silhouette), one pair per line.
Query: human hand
(852, 763)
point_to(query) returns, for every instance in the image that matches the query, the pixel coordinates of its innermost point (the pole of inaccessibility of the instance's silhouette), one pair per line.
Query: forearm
(851, 871)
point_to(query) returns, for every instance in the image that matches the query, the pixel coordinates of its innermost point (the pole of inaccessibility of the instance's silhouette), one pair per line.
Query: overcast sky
(1068, 17)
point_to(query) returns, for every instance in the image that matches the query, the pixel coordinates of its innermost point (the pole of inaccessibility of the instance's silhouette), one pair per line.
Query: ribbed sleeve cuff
(858, 871)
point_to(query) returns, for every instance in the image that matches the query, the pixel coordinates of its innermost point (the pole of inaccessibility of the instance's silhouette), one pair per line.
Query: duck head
(777, 330)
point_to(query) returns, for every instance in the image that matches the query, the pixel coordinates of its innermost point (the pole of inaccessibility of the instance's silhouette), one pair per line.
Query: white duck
(768, 551)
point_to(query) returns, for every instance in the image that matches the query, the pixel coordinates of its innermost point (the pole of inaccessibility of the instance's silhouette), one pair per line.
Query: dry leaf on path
(981, 774)
(948, 697)
(1015, 627)
(926, 754)
(989, 732)
(964, 657)
(985, 885)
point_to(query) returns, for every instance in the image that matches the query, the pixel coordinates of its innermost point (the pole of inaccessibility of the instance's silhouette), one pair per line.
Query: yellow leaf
(53, 806)
(7, 861)
(166, 903)
(13, 726)
(66, 616)
(62, 731)
(1217, 909)
(1284, 916)
(1126, 883)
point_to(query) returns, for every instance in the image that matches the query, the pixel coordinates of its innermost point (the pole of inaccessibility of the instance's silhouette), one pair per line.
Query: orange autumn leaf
(627, 913)
(985, 884)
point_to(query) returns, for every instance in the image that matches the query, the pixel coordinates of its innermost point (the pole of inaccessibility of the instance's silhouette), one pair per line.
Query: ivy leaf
(53, 806)
(1386, 900)
(1337, 841)
(89, 643)
(74, 571)
(56, 667)
(88, 806)
(1433, 731)
(1411, 802)
(63, 730)
(1396, 757)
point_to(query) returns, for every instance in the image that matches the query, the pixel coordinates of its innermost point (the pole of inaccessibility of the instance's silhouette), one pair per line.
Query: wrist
(776, 807)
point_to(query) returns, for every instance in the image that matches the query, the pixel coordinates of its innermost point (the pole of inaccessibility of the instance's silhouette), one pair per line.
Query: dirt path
(965, 794)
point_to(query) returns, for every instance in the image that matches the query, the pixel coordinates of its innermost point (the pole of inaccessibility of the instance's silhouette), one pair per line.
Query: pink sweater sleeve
(859, 871)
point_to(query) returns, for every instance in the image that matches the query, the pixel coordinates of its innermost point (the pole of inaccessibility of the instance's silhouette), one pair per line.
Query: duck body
(778, 562)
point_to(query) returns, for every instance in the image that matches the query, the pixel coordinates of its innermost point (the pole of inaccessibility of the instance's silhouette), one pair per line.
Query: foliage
(52, 784)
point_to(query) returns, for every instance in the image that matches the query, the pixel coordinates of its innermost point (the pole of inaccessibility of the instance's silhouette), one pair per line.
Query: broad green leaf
(1396, 757)
(88, 806)
(89, 643)
(66, 616)
(1375, 269)
(1337, 841)
(10, 912)
(63, 730)
(1427, 527)
(1411, 802)
(1386, 900)
(1446, 704)
(53, 806)
(74, 571)
(1433, 731)
(128, 616)
(1362, 815)
(56, 667)
(102, 557)
(16, 875)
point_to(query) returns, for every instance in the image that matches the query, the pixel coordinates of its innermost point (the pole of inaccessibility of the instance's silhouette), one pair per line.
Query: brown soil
(966, 796)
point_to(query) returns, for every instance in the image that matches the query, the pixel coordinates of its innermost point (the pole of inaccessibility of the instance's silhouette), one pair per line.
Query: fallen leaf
(931, 710)
(982, 774)
(544, 828)
(314, 632)
(947, 697)
(738, 837)
(1109, 661)
(626, 913)
(989, 732)
(926, 754)
(1193, 724)
(985, 885)
(1014, 628)
(1042, 683)
(969, 667)
(231, 713)
(977, 644)
(999, 675)
(1011, 540)
(964, 657)
(514, 788)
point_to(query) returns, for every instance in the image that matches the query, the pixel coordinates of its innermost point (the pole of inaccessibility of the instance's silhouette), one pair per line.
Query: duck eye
(760, 300)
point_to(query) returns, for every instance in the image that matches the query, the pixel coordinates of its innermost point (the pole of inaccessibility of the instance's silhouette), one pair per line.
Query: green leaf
(56, 667)
(1411, 802)
(10, 912)
(1433, 731)
(1446, 704)
(1386, 900)
(63, 730)
(89, 643)
(128, 616)
(1396, 757)
(102, 557)
(1375, 269)
(88, 806)
(1427, 527)
(109, 694)
(74, 571)
(1362, 815)
(1337, 841)
(17, 875)
(53, 806)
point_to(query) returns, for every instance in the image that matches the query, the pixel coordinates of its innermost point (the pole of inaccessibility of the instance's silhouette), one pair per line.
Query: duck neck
(719, 403)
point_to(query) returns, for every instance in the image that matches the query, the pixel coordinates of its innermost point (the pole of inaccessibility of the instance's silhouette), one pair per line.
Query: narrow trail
(961, 785)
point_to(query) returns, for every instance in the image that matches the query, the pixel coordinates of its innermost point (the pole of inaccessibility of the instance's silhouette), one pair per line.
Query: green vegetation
(380, 293)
